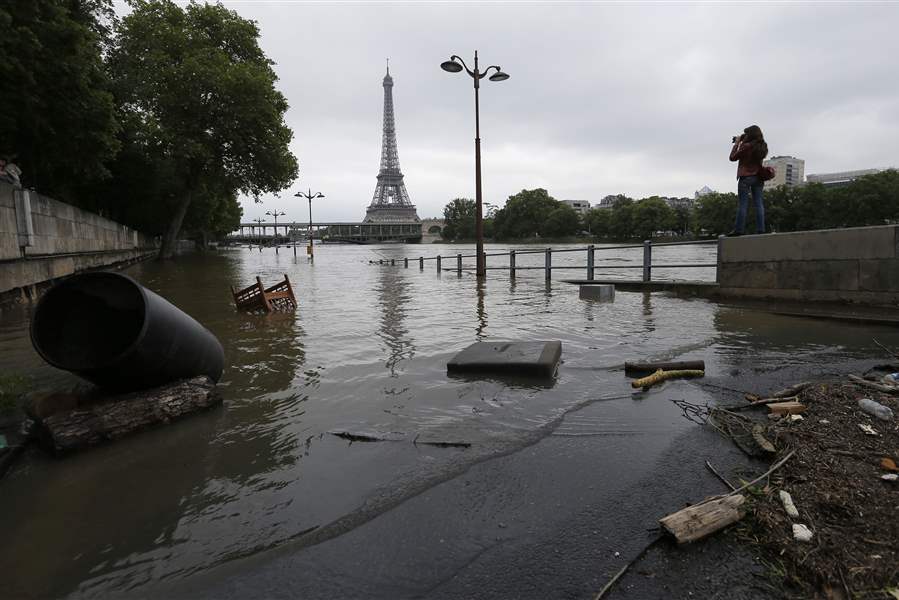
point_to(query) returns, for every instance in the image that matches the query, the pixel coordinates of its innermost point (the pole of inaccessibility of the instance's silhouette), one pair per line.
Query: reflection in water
(482, 313)
(647, 312)
(393, 295)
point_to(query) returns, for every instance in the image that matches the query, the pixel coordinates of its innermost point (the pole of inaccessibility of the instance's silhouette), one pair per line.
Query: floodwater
(365, 354)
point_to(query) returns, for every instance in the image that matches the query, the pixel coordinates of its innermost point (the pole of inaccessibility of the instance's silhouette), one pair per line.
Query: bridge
(357, 233)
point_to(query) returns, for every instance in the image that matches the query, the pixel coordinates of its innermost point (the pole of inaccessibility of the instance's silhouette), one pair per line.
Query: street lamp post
(309, 196)
(455, 65)
(259, 220)
(276, 214)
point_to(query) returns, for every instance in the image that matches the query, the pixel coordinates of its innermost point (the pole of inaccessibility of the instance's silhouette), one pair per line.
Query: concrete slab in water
(534, 359)
(601, 291)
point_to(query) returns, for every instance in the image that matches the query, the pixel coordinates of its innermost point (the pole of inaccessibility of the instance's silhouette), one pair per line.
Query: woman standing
(749, 149)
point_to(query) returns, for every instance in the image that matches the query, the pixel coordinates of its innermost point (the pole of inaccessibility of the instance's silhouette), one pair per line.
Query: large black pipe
(112, 331)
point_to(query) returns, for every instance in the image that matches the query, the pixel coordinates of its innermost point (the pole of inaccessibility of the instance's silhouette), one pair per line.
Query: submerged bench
(259, 298)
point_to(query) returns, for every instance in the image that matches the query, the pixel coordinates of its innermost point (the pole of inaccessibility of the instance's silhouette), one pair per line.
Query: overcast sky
(604, 98)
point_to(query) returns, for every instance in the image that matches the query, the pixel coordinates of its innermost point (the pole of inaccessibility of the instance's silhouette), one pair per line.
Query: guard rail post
(647, 260)
(590, 253)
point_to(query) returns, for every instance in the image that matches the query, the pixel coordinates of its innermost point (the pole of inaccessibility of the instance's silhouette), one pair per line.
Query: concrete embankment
(42, 239)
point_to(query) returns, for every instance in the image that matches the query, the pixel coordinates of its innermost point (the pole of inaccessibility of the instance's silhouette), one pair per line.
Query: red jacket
(742, 151)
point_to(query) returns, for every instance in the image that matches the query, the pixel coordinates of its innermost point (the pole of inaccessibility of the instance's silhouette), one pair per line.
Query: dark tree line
(159, 119)
(869, 200)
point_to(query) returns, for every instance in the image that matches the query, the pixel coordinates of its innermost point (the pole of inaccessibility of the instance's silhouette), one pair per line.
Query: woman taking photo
(749, 150)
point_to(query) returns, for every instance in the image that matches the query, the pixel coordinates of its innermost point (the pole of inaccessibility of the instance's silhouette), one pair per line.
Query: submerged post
(406, 262)
(590, 252)
(421, 263)
(438, 263)
(647, 260)
(549, 263)
(512, 264)
(459, 264)
(718, 260)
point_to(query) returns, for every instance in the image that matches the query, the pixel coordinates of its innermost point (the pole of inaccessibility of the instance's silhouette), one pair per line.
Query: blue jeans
(746, 186)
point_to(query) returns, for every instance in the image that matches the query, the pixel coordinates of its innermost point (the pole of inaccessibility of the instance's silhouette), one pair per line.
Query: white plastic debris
(795, 418)
(889, 477)
(891, 379)
(787, 501)
(801, 533)
(875, 409)
(867, 429)
(824, 422)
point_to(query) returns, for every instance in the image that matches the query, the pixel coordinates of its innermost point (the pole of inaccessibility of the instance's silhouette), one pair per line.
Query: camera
(736, 138)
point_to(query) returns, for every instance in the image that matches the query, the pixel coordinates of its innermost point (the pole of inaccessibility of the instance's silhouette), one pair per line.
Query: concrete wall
(858, 265)
(59, 241)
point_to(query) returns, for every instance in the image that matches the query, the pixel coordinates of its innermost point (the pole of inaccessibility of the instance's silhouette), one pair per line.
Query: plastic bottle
(875, 409)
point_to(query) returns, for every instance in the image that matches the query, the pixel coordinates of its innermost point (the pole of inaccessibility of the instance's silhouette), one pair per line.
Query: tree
(622, 221)
(562, 221)
(599, 221)
(715, 213)
(651, 215)
(524, 214)
(459, 216)
(200, 96)
(57, 116)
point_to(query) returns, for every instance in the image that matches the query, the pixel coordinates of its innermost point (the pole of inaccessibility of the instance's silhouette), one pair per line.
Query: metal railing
(590, 267)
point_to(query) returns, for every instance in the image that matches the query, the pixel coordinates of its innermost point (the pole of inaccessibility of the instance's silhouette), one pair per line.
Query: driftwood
(652, 367)
(886, 389)
(696, 522)
(661, 375)
(786, 408)
(720, 476)
(763, 402)
(758, 434)
(123, 414)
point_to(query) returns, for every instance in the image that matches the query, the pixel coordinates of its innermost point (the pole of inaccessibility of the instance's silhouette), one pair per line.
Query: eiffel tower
(390, 203)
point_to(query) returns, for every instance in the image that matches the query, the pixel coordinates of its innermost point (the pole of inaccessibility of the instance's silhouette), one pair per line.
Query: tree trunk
(170, 239)
(123, 414)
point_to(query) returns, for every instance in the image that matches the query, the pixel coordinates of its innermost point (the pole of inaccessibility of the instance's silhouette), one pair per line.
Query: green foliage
(12, 388)
(562, 221)
(57, 116)
(714, 213)
(459, 215)
(599, 222)
(651, 215)
(198, 99)
(526, 215)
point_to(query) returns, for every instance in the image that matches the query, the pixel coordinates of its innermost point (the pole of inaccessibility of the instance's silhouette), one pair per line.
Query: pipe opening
(88, 321)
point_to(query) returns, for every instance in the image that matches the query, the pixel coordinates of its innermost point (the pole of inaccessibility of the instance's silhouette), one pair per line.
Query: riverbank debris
(758, 434)
(847, 507)
(801, 533)
(662, 375)
(791, 391)
(652, 367)
(102, 418)
(787, 500)
(787, 408)
(258, 298)
(713, 514)
(875, 409)
(880, 387)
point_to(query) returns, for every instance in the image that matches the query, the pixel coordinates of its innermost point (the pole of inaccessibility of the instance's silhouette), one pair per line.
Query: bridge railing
(589, 267)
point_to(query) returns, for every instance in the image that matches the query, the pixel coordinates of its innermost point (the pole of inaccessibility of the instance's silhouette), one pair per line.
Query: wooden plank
(787, 408)
(696, 522)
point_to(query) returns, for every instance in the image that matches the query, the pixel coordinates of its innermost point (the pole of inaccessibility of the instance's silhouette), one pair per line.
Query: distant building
(841, 178)
(679, 202)
(608, 201)
(704, 190)
(581, 206)
(788, 171)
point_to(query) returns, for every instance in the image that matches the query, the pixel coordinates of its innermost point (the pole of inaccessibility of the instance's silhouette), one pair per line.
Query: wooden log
(786, 408)
(886, 389)
(697, 521)
(652, 367)
(758, 434)
(763, 402)
(660, 376)
(120, 415)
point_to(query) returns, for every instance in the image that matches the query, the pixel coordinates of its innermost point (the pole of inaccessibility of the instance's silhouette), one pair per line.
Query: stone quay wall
(42, 239)
(858, 265)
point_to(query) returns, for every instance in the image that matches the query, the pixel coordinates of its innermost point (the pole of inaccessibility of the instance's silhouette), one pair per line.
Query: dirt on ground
(835, 478)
